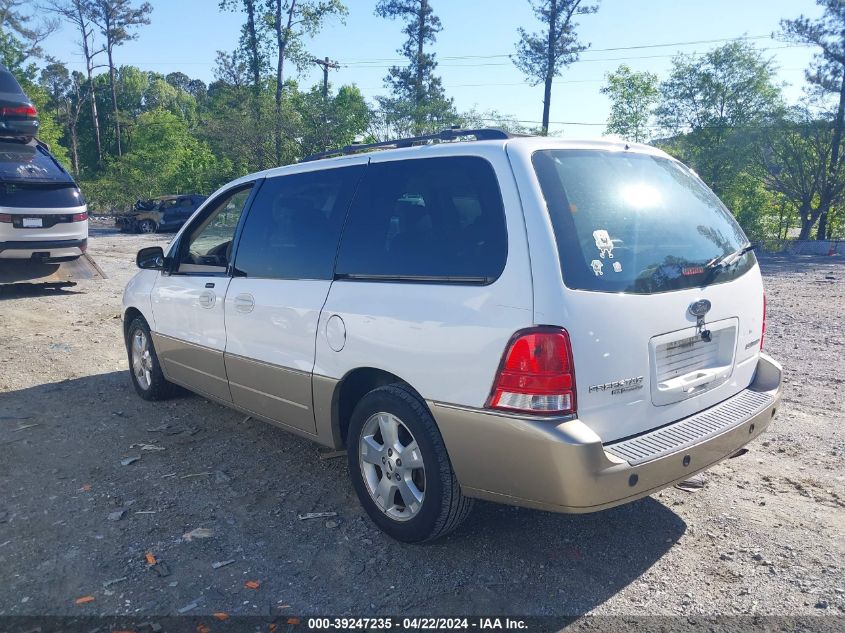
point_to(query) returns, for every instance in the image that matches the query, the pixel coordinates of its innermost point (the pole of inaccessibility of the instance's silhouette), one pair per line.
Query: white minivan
(552, 324)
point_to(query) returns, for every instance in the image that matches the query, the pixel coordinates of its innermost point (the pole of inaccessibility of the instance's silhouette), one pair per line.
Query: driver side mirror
(150, 258)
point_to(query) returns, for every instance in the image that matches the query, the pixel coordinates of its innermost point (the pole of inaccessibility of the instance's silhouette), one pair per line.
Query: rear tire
(147, 226)
(419, 500)
(144, 367)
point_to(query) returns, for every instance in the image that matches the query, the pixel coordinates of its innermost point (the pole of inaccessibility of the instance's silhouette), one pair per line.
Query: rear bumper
(18, 128)
(562, 465)
(54, 249)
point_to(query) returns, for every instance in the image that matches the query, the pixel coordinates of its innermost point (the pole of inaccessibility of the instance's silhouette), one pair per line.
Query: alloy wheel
(142, 362)
(392, 466)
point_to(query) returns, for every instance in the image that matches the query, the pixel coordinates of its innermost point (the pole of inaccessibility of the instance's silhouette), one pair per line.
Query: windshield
(627, 222)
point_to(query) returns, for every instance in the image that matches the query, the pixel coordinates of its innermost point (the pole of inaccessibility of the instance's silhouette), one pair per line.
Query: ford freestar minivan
(553, 324)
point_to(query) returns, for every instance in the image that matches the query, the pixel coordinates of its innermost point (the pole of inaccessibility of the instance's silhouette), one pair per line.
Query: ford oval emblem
(699, 308)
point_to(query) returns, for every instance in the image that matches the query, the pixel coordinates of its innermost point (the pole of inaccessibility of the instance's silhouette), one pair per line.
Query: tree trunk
(419, 95)
(254, 64)
(95, 117)
(806, 227)
(281, 43)
(547, 97)
(114, 100)
(255, 68)
(550, 63)
(89, 67)
(821, 232)
(835, 150)
(808, 219)
(73, 125)
(74, 140)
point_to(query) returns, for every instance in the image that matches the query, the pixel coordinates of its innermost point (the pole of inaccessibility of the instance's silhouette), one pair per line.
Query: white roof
(522, 144)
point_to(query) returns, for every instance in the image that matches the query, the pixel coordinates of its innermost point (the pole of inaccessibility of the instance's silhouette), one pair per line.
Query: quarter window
(435, 219)
(294, 225)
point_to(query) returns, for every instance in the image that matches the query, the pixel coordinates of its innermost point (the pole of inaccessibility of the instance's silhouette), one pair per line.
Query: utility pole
(326, 64)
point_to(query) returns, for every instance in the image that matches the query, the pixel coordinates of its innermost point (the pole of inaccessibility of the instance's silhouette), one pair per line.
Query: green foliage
(49, 129)
(27, 29)
(117, 19)
(794, 159)
(710, 104)
(753, 206)
(13, 56)
(334, 122)
(721, 113)
(295, 20)
(476, 118)
(632, 96)
(162, 157)
(419, 103)
(825, 33)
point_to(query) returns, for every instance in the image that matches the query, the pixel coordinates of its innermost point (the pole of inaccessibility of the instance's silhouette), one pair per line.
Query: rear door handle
(688, 382)
(245, 303)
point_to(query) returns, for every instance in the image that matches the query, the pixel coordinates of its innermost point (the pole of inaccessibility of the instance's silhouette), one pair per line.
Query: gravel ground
(766, 534)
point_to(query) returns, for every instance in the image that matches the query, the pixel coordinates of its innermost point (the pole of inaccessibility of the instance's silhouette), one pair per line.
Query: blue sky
(185, 34)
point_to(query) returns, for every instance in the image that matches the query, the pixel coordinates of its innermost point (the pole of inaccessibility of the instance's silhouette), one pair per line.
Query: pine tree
(543, 56)
(419, 103)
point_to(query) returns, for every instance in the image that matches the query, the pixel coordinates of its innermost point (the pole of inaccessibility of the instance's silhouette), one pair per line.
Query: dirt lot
(766, 535)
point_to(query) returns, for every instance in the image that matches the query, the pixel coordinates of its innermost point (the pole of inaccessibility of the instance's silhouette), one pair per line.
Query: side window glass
(208, 246)
(430, 219)
(294, 225)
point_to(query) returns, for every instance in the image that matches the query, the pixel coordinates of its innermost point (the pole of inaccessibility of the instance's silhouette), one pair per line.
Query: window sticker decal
(603, 243)
(617, 267)
(597, 267)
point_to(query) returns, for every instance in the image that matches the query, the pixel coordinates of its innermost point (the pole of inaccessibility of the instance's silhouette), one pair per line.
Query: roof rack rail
(450, 134)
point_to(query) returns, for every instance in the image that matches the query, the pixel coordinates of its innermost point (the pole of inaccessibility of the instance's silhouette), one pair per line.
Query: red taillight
(536, 374)
(26, 110)
(5, 218)
(79, 217)
(763, 333)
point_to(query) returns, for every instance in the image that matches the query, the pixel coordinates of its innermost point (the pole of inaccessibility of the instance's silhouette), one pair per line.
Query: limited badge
(597, 267)
(603, 243)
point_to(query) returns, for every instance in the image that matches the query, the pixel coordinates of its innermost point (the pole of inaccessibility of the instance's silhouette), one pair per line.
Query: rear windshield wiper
(718, 263)
(730, 258)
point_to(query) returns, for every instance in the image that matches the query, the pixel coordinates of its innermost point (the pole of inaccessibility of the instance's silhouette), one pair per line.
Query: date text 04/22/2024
(417, 624)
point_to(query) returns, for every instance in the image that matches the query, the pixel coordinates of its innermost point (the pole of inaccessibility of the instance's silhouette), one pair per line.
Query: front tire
(144, 367)
(400, 469)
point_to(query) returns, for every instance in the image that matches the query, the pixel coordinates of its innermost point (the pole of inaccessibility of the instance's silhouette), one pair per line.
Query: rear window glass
(30, 163)
(8, 83)
(40, 196)
(294, 225)
(627, 222)
(433, 219)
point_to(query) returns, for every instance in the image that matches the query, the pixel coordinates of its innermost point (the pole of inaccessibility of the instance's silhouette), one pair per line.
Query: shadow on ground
(783, 263)
(76, 521)
(20, 290)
